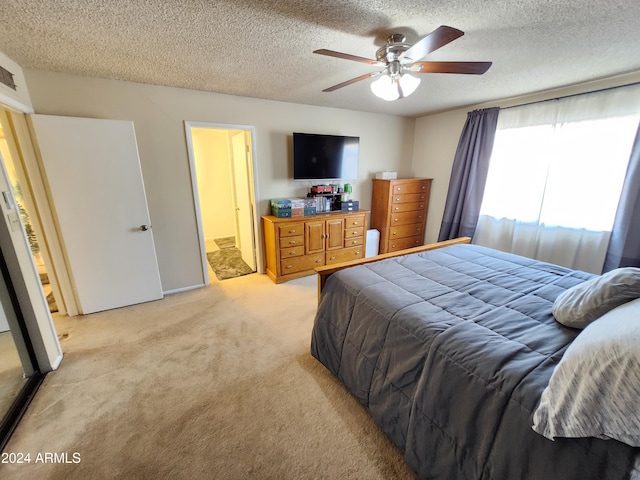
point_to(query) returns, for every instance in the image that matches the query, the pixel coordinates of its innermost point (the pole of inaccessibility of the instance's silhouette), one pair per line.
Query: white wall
(437, 135)
(435, 145)
(211, 151)
(386, 143)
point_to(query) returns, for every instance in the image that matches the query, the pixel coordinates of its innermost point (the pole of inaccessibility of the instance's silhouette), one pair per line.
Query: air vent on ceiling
(6, 77)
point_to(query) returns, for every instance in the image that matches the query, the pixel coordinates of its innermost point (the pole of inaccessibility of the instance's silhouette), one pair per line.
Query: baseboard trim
(184, 289)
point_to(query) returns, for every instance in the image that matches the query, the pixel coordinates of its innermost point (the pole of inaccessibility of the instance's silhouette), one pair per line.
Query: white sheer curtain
(555, 177)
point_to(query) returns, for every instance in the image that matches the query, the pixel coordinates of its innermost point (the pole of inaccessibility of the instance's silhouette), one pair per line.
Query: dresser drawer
(288, 242)
(291, 252)
(407, 207)
(353, 232)
(344, 255)
(410, 187)
(402, 243)
(355, 221)
(406, 218)
(352, 242)
(401, 231)
(291, 229)
(300, 264)
(409, 198)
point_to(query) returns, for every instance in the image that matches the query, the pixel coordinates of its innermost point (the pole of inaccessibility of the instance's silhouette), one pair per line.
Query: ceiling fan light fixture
(408, 84)
(399, 59)
(393, 87)
(386, 88)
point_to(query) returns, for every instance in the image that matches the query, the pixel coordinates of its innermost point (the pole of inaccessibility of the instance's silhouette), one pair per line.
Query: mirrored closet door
(19, 375)
(16, 366)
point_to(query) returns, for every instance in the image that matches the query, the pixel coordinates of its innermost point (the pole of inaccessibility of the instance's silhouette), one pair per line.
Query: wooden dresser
(294, 247)
(399, 212)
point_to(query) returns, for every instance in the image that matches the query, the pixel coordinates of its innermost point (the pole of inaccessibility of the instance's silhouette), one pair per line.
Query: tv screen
(317, 157)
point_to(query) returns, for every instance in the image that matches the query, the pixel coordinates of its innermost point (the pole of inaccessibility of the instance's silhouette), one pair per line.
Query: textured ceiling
(264, 48)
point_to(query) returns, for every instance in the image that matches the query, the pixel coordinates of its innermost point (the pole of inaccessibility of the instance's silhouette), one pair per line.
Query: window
(568, 175)
(555, 177)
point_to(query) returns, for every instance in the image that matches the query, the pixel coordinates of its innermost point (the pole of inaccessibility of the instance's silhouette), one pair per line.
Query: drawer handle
(318, 261)
(395, 233)
(357, 253)
(423, 187)
(397, 189)
(292, 231)
(397, 199)
(292, 253)
(354, 242)
(397, 208)
(396, 219)
(421, 206)
(355, 223)
(332, 258)
(289, 266)
(292, 242)
(354, 233)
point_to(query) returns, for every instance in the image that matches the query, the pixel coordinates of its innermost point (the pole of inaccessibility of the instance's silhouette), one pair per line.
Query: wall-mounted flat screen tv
(317, 157)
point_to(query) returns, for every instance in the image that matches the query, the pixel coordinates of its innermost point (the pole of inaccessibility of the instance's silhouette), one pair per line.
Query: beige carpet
(214, 383)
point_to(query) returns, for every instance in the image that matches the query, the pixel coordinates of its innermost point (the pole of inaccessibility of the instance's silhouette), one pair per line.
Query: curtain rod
(569, 96)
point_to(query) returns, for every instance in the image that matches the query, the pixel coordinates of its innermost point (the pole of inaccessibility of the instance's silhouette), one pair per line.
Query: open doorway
(222, 166)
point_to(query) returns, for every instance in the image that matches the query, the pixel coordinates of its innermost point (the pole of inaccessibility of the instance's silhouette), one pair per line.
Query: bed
(450, 350)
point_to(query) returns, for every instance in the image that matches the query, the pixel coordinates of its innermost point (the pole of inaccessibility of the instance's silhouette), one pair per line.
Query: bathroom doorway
(223, 178)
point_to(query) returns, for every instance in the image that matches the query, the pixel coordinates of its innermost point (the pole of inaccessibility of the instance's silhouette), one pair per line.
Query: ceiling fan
(401, 59)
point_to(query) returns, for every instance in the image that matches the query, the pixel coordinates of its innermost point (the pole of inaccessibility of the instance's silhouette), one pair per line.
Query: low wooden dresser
(295, 246)
(399, 212)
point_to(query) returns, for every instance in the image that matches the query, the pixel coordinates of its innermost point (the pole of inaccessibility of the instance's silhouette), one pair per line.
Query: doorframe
(253, 193)
(44, 221)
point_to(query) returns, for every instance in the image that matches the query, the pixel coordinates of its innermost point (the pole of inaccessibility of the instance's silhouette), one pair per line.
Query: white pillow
(580, 305)
(595, 389)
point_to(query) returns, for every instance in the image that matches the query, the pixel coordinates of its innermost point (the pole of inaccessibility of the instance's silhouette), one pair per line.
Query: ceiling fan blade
(347, 56)
(436, 39)
(470, 68)
(353, 80)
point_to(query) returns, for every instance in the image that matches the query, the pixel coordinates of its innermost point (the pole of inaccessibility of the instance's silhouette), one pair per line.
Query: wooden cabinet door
(314, 237)
(335, 231)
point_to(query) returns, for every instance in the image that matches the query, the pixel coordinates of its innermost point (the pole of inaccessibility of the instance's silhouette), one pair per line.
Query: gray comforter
(450, 350)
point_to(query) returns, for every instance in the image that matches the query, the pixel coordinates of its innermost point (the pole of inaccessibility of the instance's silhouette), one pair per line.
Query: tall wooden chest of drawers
(295, 246)
(399, 212)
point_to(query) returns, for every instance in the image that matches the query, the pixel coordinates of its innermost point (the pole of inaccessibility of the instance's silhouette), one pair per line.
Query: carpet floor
(213, 383)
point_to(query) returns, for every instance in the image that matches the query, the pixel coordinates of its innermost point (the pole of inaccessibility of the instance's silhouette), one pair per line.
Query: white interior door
(244, 218)
(95, 181)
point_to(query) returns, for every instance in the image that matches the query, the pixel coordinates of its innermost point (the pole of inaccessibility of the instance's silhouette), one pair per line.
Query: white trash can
(373, 243)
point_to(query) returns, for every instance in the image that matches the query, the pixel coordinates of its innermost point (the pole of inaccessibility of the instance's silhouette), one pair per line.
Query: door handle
(144, 228)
